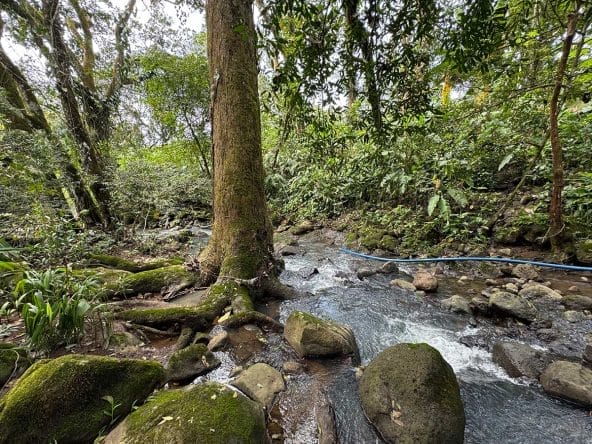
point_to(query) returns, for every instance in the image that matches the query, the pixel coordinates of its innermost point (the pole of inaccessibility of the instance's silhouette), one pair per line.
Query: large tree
(67, 35)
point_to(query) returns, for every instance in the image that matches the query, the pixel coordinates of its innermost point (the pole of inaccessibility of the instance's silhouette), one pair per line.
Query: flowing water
(499, 409)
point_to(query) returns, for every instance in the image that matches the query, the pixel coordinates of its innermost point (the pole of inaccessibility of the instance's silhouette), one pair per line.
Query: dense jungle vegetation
(414, 128)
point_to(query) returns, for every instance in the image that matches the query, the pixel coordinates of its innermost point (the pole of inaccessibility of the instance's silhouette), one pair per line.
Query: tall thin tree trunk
(241, 245)
(555, 209)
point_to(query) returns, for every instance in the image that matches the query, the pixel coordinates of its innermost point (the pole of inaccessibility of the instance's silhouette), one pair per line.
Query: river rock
(292, 367)
(307, 272)
(209, 413)
(218, 341)
(570, 381)
(190, 362)
(365, 272)
(303, 227)
(401, 283)
(261, 383)
(538, 291)
(425, 281)
(411, 395)
(577, 302)
(512, 287)
(312, 336)
(512, 305)
(62, 399)
(525, 271)
(289, 250)
(520, 359)
(480, 305)
(388, 267)
(457, 304)
(574, 316)
(587, 354)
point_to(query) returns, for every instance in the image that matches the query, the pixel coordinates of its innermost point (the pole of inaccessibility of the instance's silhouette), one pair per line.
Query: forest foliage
(427, 123)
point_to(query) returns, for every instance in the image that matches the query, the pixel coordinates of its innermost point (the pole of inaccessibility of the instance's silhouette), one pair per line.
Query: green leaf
(432, 203)
(505, 161)
(444, 207)
(458, 196)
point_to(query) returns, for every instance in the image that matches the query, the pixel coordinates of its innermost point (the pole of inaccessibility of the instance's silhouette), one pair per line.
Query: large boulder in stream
(508, 304)
(64, 399)
(411, 395)
(209, 413)
(520, 359)
(570, 381)
(312, 336)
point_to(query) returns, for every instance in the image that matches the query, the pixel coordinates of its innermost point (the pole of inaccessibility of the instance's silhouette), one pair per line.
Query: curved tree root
(252, 317)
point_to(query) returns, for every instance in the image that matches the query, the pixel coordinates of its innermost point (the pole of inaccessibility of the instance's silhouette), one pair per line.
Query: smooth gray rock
(457, 304)
(261, 383)
(401, 283)
(520, 359)
(512, 305)
(570, 381)
(539, 291)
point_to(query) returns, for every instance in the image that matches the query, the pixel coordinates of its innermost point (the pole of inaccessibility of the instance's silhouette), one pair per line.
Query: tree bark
(241, 246)
(555, 208)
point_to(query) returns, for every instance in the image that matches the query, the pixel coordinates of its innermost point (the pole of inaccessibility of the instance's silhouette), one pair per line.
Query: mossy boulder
(189, 362)
(151, 281)
(62, 399)
(208, 413)
(411, 395)
(312, 336)
(13, 361)
(134, 267)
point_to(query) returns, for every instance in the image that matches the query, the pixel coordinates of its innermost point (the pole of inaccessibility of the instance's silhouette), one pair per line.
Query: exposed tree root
(252, 317)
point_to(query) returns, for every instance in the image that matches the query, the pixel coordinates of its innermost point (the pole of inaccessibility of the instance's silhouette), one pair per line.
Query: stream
(498, 408)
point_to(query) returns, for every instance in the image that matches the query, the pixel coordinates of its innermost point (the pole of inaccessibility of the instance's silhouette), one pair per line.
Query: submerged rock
(261, 383)
(512, 305)
(525, 271)
(303, 227)
(312, 336)
(401, 283)
(208, 413)
(425, 281)
(411, 395)
(520, 359)
(219, 341)
(63, 399)
(539, 291)
(190, 362)
(577, 302)
(570, 381)
(457, 304)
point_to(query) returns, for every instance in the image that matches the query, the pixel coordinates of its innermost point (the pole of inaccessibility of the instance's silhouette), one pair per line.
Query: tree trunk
(555, 209)
(241, 245)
